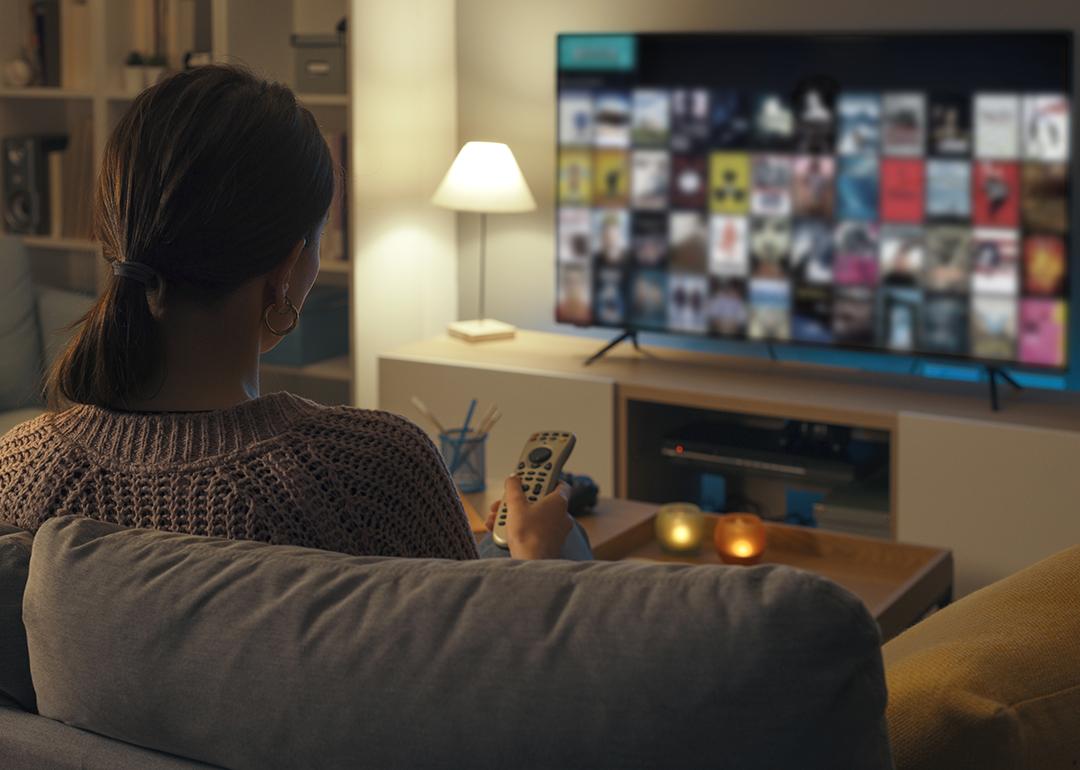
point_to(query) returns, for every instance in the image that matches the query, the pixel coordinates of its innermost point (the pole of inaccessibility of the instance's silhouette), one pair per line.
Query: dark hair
(210, 179)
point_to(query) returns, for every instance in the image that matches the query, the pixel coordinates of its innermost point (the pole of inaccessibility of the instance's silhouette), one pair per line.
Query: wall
(506, 92)
(404, 135)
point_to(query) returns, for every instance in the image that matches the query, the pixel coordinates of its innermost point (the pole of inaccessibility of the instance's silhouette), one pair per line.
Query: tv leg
(1008, 378)
(634, 339)
(631, 335)
(771, 350)
(994, 406)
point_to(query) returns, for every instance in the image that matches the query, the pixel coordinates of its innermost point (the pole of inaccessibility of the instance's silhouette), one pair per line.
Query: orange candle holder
(739, 538)
(680, 527)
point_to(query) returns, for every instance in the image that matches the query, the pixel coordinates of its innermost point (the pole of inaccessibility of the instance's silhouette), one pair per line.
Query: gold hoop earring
(292, 324)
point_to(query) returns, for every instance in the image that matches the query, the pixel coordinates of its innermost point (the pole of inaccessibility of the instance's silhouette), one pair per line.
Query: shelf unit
(251, 32)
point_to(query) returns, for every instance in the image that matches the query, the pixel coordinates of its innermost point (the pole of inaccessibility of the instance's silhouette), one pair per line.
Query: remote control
(539, 466)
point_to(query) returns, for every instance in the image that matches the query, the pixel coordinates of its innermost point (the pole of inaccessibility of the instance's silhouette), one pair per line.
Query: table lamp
(485, 178)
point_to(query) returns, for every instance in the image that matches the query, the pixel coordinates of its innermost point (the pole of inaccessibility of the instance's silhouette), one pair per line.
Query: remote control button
(524, 487)
(521, 465)
(547, 467)
(532, 498)
(538, 489)
(539, 455)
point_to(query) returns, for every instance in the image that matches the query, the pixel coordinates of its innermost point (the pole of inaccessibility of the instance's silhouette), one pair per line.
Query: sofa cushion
(15, 684)
(992, 681)
(253, 656)
(20, 342)
(57, 311)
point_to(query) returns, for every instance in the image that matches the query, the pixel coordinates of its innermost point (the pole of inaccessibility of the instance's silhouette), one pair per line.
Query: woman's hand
(537, 530)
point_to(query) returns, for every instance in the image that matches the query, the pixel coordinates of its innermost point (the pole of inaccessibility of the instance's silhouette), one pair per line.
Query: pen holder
(464, 455)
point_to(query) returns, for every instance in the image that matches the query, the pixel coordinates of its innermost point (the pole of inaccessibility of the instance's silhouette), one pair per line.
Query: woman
(213, 193)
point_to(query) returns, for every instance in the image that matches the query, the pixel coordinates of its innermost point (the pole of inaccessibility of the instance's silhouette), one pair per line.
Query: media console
(959, 475)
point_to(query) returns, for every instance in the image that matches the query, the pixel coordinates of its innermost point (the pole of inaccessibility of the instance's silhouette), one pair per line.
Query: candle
(680, 527)
(739, 538)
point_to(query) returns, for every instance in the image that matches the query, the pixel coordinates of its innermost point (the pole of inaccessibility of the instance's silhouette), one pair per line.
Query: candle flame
(680, 534)
(742, 548)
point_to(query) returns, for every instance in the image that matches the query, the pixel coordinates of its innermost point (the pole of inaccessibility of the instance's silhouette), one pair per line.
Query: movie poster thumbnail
(1045, 265)
(650, 179)
(611, 178)
(903, 255)
(1042, 332)
(611, 119)
(730, 119)
(853, 315)
(576, 118)
(855, 254)
(859, 124)
(902, 190)
(995, 261)
(1046, 127)
(573, 302)
(575, 235)
(815, 116)
(609, 296)
(948, 189)
(770, 246)
(729, 249)
(948, 259)
(812, 252)
(648, 299)
(857, 188)
(575, 178)
(689, 238)
(649, 238)
(729, 183)
(903, 124)
(689, 181)
(690, 120)
(772, 122)
(811, 314)
(993, 327)
(687, 298)
(727, 312)
(950, 125)
(770, 310)
(611, 237)
(899, 318)
(650, 117)
(944, 325)
(770, 193)
(997, 126)
(996, 191)
(1044, 196)
(813, 182)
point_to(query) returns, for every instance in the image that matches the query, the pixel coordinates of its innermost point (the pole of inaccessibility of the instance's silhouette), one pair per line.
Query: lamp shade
(484, 177)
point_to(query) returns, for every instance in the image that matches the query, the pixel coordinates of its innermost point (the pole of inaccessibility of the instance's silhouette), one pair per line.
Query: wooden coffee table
(899, 583)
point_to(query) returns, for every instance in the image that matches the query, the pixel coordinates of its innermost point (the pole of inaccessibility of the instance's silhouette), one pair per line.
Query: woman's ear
(279, 279)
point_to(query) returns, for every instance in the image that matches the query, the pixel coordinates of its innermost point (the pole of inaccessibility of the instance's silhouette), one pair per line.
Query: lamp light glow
(485, 177)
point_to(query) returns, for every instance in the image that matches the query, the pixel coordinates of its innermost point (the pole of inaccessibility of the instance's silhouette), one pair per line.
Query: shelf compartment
(45, 92)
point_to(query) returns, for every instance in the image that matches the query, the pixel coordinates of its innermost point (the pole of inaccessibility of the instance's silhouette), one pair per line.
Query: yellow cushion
(992, 681)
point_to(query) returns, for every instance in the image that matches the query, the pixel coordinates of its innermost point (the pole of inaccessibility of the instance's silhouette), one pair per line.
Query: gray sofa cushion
(15, 684)
(253, 656)
(20, 341)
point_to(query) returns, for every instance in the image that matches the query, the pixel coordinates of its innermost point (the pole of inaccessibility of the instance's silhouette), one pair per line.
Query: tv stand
(994, 372)
(630, 334)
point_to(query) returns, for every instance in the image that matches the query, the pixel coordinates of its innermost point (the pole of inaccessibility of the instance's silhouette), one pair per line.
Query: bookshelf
(96, 36)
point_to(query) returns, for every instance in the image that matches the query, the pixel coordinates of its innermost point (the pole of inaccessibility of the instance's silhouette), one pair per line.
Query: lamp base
(484, 330)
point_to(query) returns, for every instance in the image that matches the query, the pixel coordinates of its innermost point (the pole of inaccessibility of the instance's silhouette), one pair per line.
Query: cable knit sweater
(279, 469)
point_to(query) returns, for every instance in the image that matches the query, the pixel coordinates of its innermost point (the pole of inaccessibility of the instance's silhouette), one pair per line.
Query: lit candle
(680, 527)
(739, 538)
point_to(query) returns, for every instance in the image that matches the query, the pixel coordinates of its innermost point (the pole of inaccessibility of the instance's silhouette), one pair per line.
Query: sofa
(34, 326)
(133, 648)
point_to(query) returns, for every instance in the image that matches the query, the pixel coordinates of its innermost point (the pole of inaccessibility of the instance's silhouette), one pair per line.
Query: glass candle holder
(739, 538)
(680, 527)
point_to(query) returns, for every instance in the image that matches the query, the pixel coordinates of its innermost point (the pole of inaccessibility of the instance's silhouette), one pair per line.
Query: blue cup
(464, 456)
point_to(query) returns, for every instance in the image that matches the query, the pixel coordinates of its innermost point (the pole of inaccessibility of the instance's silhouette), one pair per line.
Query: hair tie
(136, 271)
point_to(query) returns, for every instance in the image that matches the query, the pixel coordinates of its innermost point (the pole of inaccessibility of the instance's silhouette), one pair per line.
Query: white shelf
(323, 100)
(60, 244)
(45, 92)
(331, 369)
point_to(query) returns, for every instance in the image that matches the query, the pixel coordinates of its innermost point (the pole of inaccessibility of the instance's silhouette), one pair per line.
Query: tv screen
(905, 193)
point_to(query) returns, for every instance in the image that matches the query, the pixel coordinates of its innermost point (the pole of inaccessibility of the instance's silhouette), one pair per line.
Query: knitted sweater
(279, 469)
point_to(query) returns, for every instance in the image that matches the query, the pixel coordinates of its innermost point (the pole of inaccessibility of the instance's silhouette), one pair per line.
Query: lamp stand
(482, 329)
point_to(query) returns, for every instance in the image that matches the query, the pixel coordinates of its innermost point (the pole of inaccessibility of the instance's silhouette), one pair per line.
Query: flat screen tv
(904, 193)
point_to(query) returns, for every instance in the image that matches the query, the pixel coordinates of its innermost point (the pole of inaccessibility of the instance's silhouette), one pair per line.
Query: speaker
(26, 182)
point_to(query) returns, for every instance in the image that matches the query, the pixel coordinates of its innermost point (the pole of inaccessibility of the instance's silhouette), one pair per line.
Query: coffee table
(899, 583)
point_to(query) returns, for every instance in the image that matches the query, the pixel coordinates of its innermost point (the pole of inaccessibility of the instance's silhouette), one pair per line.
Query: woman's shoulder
(28, 433)
(354, 424)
